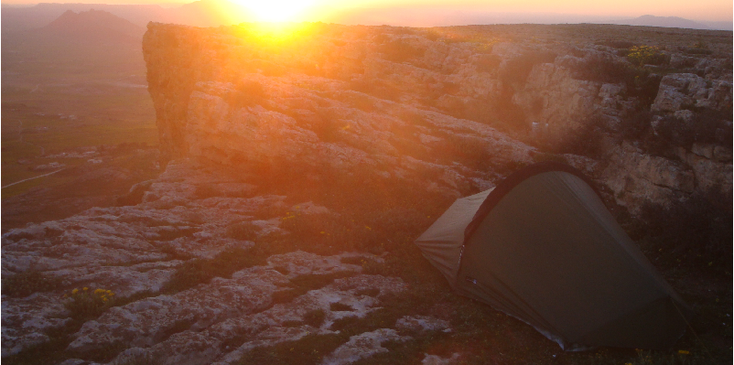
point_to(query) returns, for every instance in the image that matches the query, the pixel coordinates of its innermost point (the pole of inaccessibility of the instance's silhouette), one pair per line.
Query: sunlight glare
(276, 10)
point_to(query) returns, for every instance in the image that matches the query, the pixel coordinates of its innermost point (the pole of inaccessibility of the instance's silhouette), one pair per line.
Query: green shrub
(86, 303)
(227, 262)
(646, 55)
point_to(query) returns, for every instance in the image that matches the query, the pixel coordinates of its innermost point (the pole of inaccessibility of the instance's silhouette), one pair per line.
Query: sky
(314, 10)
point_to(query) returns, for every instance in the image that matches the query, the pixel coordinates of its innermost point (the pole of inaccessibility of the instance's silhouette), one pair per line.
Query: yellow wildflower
(683, 352)
(75, 291)
(85, 288)
(97, 291)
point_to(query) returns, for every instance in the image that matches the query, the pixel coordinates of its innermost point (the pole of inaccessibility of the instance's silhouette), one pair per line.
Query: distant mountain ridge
(202, 13)
(673, 22)
(94, 25)
(207, 13)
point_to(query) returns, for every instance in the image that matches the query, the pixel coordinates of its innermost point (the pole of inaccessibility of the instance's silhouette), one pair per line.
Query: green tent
(543, 248)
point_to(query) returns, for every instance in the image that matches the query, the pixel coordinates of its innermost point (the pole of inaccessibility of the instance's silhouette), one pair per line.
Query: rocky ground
(299, 167)
(84, 178)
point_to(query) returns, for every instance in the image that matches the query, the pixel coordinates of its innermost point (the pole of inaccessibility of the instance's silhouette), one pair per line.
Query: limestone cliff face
(392, 101)
(230, 97)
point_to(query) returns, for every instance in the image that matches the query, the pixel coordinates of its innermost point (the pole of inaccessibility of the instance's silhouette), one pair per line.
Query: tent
(542, 247)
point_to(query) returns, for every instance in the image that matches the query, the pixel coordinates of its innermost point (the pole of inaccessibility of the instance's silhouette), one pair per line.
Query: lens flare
(276, 11)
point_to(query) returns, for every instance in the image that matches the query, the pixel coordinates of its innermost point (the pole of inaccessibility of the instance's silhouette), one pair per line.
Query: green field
(65, 97)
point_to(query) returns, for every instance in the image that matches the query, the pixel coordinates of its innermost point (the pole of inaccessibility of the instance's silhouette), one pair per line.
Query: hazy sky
(710, 10)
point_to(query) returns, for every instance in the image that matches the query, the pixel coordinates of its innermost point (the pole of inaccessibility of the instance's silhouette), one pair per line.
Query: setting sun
(276, 10)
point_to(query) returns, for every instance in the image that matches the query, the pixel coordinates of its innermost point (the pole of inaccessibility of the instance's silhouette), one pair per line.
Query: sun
(276, 11)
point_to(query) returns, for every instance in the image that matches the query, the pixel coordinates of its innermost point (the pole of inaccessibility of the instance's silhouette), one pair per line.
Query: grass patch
(338, 307)
(314, 318)
(28, 282)
(200, 271)
(412, 351)
(244, 231)
(310, 349)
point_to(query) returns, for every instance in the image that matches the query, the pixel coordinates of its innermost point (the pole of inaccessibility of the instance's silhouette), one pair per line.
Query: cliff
(300, 165)
(390, 97)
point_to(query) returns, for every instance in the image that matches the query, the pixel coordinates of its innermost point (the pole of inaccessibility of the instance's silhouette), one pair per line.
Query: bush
(646, 55)
(86, 304)
(227, 262)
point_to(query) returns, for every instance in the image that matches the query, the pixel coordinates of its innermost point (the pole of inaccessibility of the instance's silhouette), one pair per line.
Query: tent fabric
(543, 248)
(442, 242)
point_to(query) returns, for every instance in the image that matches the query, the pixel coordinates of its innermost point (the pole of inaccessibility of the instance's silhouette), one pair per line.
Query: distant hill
(93, 25)
(673, 22)
(16, 19)
(203, 13)
(75, 44)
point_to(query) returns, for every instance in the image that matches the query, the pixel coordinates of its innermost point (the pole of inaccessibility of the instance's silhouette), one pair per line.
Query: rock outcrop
(283, 151)
(343, 97)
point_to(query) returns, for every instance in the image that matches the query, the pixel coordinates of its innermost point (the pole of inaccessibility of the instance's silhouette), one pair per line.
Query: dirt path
(32, 178)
